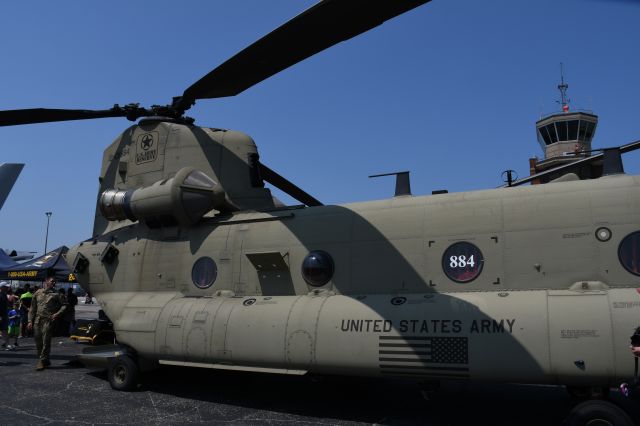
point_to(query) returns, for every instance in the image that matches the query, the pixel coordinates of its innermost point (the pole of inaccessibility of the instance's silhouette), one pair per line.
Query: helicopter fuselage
(528, 284)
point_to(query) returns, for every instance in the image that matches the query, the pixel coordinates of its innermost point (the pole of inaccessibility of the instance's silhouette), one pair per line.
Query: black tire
(123, 373)
(598, 413)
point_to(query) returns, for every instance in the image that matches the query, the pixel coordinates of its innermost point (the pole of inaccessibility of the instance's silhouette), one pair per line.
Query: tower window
(545, 135)
(573, 130)
(589, 131)
(552, 132)
(561, 126)
(583, 130)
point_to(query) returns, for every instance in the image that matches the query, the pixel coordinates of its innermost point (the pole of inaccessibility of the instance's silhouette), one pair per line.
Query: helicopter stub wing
(327, 23)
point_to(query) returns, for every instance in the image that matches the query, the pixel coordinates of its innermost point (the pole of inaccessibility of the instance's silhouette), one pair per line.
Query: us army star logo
(146, 150)
(146, 142)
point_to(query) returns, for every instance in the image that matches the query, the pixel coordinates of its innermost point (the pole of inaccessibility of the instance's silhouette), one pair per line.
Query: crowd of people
(36, 312)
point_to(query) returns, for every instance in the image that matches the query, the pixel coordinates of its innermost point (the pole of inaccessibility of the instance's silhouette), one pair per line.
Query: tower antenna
(564, 100)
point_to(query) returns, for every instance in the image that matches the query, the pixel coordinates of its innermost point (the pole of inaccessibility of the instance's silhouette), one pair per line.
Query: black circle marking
(397, 301)
(462, 262)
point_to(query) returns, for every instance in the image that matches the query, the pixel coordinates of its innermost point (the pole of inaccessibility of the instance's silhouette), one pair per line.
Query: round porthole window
(317, 268)
(204, 272)
(629, 253)
(462, 262)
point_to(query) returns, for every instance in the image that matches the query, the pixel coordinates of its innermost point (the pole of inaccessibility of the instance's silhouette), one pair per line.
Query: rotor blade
(46, 115)
(9, 173)
(327, 23)
(623, 149)
(287, 187)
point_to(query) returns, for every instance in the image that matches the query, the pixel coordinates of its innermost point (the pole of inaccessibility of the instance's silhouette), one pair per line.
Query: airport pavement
(68, 393)
(88, 311)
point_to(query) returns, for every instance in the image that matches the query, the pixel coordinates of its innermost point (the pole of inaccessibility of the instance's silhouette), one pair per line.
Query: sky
(450, 91)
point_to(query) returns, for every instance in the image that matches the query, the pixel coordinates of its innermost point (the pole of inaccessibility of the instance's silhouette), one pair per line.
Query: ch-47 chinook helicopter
(197, 265)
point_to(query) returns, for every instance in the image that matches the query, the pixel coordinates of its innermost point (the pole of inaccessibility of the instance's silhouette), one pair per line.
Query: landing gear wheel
(123, 373)
(598, 413)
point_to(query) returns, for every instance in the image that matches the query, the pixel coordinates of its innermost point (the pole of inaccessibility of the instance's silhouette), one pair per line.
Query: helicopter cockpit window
(204, 272)
(462, 262)
(629, 253)
(198, 179)
(317, 268)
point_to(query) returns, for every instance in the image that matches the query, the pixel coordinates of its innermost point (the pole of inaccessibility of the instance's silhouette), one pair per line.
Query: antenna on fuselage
(403, 183)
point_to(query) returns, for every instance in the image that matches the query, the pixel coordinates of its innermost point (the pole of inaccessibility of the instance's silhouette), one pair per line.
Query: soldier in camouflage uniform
(46, 306)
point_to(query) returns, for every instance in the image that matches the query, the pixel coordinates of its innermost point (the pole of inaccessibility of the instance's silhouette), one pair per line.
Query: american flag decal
(424, 356)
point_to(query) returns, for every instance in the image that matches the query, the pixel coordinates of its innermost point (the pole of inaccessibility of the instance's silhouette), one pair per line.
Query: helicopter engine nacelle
(180, 200)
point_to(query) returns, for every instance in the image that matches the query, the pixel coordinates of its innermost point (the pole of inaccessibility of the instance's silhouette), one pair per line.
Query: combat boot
(40, 366)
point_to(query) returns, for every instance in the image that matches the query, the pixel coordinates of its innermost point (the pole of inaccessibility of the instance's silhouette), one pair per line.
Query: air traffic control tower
(565, 137)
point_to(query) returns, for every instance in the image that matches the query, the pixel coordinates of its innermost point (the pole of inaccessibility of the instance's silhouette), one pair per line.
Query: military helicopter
(197, 265)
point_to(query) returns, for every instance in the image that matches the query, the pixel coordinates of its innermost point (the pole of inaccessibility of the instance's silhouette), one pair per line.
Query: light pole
(46, 237)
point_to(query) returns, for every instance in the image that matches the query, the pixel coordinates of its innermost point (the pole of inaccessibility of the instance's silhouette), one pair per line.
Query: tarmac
(68, 393)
